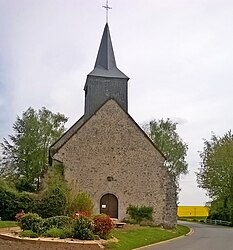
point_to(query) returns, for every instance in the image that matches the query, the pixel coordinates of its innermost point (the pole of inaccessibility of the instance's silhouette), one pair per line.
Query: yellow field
(192, 211)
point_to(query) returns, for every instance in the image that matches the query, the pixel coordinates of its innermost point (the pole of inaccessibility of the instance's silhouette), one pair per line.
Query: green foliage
(58, 233)
(56, 222)
(12, 202)
(216, 173)
(28, 233)
(82, 202)
(102, 225)
(164, 135)
(83, 228)
(25, 154)
(139, 214)
(32, 221)
(52, 201)
(219, 210)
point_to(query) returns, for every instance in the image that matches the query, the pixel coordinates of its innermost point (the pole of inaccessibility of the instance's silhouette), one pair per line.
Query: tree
(25, 154)
(164, 135)
(216, 171)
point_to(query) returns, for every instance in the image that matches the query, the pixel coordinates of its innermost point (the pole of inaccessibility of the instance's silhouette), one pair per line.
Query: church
(106, 153)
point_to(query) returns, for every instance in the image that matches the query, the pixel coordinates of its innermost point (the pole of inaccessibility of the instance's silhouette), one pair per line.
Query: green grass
(4, 224)
(133, 237)
(193, 218)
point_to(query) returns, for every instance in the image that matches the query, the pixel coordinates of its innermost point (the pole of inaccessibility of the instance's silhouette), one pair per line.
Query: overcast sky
(177, 53)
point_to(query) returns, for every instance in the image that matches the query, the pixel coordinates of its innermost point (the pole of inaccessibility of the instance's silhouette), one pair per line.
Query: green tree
(25, 154)
(215, 174)
(164, 135)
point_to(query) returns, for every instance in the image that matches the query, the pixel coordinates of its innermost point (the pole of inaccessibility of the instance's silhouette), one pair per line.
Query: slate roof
(105, 65)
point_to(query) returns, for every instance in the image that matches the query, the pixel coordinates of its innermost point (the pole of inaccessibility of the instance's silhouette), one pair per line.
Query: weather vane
(107, 9)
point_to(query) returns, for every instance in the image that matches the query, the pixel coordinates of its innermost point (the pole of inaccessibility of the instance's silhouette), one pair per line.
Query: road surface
(204, 237)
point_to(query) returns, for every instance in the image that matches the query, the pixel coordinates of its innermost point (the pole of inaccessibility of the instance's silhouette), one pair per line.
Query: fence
(219, 222)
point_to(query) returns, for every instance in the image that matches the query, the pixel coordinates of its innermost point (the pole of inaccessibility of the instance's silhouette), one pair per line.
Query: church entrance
(109, 205)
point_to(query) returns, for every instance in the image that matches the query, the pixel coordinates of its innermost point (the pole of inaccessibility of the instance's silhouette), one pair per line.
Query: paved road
(204, 237)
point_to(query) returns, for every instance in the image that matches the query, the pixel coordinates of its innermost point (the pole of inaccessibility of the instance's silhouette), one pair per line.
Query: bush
(56, 222)
(52, 201)
(58, 233)
(19, 216)
(80, 213)
(83, 228)
(28, 233)
(138, 214)
(82, 202)
(33, 222)
(102, 225)
(12, 202)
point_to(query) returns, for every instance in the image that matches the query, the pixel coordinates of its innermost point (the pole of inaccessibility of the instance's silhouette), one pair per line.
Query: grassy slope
(142, 236)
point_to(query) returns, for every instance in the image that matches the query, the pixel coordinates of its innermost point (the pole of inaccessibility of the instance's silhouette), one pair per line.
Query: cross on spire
(107, 9)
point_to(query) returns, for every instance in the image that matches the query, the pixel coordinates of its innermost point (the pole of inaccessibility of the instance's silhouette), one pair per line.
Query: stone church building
(106, 154)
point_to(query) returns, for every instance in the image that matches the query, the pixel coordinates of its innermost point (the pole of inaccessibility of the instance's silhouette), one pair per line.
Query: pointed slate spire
(105, 57)
(106, 81)
(105, 64)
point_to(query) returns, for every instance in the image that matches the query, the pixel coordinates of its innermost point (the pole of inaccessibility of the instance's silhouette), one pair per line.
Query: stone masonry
(111, 144)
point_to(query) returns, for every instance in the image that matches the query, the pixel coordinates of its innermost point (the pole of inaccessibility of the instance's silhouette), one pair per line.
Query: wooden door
(109, 205)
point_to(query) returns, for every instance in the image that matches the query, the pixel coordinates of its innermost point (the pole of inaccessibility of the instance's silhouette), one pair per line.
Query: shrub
(32, 221)
(12, 202)
(51, 203)
(82, 202)
(83, 228)
(56, 222)
(139, 214)
(80, 213)
(102, 225)
(19, 216)
(28, 233)
(58, 233)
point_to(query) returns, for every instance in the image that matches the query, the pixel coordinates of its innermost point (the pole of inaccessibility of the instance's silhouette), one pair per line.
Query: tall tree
(215, 174)
(25, 154)
(164, 135)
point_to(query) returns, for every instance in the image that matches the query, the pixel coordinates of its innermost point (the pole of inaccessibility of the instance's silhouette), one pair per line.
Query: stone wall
(110, 144)
(11, 243)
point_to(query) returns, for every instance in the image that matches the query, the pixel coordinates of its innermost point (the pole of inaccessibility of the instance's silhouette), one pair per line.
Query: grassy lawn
(8, 224)
(133, 236)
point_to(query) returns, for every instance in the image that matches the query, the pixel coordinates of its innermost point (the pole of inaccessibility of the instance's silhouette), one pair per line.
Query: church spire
(105, 81)
(105, 57)
(105, 64)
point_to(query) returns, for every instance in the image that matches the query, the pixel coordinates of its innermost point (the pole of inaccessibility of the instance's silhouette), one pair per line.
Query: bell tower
(105, 81)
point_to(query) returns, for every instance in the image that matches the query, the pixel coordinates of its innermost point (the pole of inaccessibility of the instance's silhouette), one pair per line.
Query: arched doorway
(109, 205)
